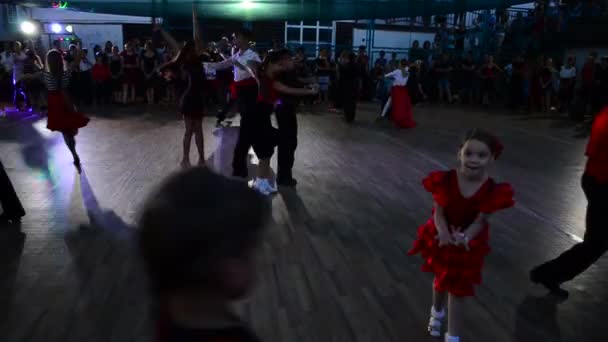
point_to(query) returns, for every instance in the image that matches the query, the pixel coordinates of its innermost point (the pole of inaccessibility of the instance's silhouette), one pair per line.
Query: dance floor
(333, 264)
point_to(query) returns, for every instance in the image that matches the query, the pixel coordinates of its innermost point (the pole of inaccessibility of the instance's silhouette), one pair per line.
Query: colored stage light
(28, 27)
(56, 28)
(59, 4)
(69, 29)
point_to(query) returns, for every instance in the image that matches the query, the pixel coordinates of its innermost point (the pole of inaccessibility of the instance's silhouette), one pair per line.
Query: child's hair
(54, 64)
(485, 137)
(193, 220)
(274, 57)
(245, 33)
(404, 63)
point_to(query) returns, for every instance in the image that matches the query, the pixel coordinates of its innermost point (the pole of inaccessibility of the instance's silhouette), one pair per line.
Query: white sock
(449, 338)
(437, 314)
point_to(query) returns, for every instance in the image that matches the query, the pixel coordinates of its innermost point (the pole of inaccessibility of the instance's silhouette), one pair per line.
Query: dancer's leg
(287, 143)
(456, 311)
(189, 131)
(437, 312)
(387, 106)
(132, 93)
(439, 300)
(199, 140)
(125, 93)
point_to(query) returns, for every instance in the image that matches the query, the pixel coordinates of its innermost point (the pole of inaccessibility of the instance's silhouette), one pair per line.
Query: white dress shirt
(567, 72)
(400, 76)
(242, 58)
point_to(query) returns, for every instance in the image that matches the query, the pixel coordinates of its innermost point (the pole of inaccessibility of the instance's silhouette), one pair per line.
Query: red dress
(402, 107)
(456, 269)
(60, 117)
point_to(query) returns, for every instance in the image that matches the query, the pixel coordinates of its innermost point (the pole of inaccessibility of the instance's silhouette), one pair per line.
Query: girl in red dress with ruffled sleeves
(454, 241)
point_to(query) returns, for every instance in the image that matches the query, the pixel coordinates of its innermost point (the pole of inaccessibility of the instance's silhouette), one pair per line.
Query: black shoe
(239, 174)
(553, 286)
(78, 165)
(290, 182)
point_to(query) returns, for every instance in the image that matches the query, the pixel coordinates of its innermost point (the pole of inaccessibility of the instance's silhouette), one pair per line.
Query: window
(293, 34)
(309, 35)
(312, 35)
(325, 36)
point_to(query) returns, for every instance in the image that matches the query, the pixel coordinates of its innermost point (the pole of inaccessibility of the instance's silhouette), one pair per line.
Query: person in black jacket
(348, 85)
(12, 209)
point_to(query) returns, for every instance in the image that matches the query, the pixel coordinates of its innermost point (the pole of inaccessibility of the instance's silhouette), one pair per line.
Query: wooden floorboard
(333, 263)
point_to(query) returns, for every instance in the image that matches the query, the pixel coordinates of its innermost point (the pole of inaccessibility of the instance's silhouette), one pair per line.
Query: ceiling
(256, 10)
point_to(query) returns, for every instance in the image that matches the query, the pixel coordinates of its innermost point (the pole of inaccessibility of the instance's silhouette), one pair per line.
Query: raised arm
(198, 43)
(393, 73)
(281, 88)
(169, 39)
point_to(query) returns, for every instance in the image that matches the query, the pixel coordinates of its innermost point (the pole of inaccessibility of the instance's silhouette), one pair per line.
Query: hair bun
(497, 148)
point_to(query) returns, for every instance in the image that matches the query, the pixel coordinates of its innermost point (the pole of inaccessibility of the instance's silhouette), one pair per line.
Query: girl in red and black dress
(263, 136)
(61, 116)
(192, 102)
(489, 73)
(130, 64)
(116, 70)
(454, 241)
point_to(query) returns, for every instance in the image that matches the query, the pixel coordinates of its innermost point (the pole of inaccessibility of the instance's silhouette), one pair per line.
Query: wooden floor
(334, 263)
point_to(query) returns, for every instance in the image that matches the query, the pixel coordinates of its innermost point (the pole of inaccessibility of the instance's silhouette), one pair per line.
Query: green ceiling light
(248, 4)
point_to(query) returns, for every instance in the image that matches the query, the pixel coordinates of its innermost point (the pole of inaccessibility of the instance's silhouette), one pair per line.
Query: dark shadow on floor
(113, 292)
(12, 241)
(537, 319)
(296, 208)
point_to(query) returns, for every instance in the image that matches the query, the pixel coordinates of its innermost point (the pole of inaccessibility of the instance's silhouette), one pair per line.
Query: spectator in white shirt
(567, 82)
(84, 91)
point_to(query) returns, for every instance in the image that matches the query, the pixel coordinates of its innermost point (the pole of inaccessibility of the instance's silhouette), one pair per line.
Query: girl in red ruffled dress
(454, 241)
(62, 116)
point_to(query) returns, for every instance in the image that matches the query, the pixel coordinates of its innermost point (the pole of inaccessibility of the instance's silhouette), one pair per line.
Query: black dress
(348, 89)
(149, 63)
(192, 103)
(8, 198)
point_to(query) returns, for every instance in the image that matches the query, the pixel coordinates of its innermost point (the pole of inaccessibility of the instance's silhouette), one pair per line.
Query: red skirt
(61, 118)
(456, 269)
(402, 107)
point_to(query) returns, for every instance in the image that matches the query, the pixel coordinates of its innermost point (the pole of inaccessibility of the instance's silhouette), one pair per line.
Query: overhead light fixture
(69, 29)
(56, 28)
(248, 4)
(28, 27)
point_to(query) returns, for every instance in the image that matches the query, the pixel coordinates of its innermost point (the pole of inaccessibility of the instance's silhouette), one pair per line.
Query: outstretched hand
(459, 238)
(444, 238)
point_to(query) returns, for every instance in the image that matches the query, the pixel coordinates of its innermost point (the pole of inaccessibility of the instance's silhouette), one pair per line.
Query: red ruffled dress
(456, 269)
(60, 117)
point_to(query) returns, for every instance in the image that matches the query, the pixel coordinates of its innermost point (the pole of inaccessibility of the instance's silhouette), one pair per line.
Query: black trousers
(595, 243)
(287, 139)
(247, 101)
(8, 197)
(350, 108)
